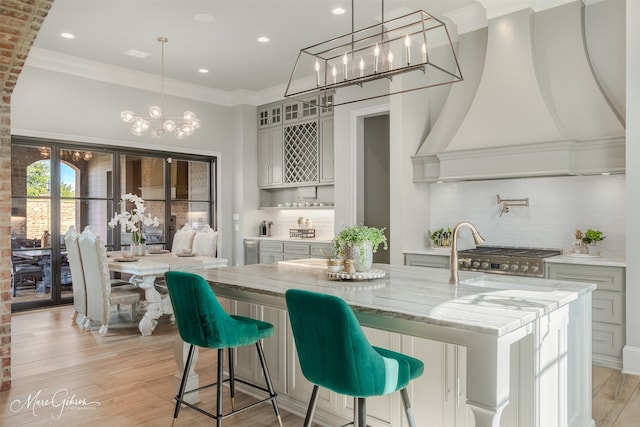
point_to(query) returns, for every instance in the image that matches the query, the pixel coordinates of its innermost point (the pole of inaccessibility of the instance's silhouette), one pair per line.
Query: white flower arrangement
(134, 221)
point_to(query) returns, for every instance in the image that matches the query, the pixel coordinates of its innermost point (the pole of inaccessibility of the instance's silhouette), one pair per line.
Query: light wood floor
(132, 379)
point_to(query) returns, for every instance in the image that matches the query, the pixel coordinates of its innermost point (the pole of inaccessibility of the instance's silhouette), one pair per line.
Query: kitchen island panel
(485, 315)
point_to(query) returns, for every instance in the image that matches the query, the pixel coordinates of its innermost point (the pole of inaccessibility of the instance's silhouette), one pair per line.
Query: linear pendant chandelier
(157, 124)
(364, 62)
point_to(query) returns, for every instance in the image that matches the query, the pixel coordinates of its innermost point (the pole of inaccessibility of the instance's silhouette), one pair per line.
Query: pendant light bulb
(155, 112)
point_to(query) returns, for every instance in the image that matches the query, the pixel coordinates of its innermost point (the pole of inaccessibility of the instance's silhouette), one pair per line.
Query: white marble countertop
(494, 305)
(587, 260)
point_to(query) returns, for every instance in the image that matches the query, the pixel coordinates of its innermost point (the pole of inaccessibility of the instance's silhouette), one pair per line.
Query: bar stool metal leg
(183, 385)
(220, 383)
(267, 377)
(407, 407)
(232, 384)
(361, 420)
(312, 407)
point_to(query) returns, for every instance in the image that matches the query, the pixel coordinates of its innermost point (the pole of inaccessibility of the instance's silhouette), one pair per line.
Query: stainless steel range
(506, 260)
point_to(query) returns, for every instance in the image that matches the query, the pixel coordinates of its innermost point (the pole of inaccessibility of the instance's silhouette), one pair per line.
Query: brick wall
(20, 21)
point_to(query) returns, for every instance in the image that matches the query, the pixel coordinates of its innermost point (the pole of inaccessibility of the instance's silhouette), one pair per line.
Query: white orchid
(135, 220)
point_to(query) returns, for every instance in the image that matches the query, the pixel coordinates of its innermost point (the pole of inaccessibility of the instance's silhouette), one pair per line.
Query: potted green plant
(590, 238)
(359, 243)
(441, 238)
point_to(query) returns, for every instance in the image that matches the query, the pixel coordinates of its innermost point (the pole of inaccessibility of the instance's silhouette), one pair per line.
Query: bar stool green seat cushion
(334, 352)
(201, 319)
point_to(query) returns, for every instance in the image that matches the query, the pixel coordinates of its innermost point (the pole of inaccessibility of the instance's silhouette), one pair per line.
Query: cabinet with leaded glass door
(295, 110)
(270, 115)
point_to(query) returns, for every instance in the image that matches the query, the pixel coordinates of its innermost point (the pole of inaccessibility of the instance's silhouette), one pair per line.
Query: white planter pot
(139, 249)
(594, 250)
(362, 262)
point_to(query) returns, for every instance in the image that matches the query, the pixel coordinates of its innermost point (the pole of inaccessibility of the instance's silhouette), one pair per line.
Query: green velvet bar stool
(203, 322)
(335, 354)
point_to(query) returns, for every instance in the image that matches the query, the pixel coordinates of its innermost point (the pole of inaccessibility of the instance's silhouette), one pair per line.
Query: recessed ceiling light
(263, 39)
(338, 11)
(203, 17)
(67, 35)
(136, 53)
(203, 70)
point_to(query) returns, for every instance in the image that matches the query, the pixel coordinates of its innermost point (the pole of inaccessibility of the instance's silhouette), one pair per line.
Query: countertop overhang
(491, 305)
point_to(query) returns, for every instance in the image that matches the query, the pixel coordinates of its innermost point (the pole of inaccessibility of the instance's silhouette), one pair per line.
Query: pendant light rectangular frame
(382, 51)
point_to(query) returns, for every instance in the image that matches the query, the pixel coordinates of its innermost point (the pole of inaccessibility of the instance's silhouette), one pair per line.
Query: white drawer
(267, 246)
(607, 307)
(296, 248)
(607, 339)
(290, 257)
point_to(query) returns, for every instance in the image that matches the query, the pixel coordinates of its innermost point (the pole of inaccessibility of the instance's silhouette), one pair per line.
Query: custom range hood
(531, 104)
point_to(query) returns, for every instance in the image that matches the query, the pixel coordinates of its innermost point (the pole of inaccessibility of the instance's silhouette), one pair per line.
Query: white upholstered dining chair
(205, 242)
(77, 276)
(100, 294)
(183, 239)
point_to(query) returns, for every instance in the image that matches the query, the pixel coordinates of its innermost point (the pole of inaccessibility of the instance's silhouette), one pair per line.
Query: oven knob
(514, 267)
(467, 264)
(504, 267)
(524, 268)
(476, 264)
(534, 268)
(485, 265)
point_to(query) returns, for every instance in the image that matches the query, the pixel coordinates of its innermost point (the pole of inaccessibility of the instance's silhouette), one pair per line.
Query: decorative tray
(364, 275)
(126, 259)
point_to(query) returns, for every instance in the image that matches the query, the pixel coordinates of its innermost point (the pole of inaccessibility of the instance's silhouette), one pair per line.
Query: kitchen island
(549, 320)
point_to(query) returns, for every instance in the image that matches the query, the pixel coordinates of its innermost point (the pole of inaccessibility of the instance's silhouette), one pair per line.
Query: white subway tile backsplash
(557, 207)
(286, 219)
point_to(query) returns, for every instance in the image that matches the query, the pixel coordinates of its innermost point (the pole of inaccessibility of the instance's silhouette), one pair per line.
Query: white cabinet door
(275, 348)
(247, 363)
(434, 396)
(326, 149)
(270, 155)
(245, 357)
